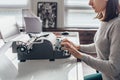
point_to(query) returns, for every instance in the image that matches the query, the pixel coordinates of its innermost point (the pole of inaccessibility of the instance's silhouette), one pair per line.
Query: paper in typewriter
(51, 37)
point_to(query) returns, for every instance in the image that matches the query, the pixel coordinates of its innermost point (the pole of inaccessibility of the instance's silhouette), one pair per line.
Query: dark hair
(112, 11)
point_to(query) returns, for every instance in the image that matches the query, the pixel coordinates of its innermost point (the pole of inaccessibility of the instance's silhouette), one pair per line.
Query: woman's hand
(67, 45)
(66, 40)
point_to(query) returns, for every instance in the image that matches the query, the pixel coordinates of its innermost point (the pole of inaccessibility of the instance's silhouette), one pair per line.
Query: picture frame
(47, 11)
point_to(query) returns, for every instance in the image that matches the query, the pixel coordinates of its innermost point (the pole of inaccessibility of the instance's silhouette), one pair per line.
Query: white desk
(1, 43)
(60, 69)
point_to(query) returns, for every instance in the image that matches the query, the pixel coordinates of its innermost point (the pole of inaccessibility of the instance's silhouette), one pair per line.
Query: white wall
(60, 10)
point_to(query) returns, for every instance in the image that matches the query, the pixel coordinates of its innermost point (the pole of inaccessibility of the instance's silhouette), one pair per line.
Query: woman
(106, 42)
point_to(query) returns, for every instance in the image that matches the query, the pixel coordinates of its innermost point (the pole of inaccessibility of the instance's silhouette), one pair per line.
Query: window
(78, 13)
(13, 3)
(9, 8)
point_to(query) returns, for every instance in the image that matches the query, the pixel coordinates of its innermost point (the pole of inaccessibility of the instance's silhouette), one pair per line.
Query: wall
(60, 11)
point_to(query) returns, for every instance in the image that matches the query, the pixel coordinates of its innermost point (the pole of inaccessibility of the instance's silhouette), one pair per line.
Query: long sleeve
(108, 48)
(88, 48)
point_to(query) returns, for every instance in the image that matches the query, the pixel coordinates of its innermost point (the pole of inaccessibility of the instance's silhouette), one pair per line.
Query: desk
(1, 43)
(60, 69)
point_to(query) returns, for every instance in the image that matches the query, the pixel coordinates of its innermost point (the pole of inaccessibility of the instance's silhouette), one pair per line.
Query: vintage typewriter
(46, 46)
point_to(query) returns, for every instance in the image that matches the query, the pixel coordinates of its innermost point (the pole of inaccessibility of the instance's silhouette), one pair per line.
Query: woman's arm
(111, 66)
(90, 48)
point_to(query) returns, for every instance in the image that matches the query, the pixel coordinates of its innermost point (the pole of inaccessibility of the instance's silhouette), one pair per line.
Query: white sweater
(107, 46)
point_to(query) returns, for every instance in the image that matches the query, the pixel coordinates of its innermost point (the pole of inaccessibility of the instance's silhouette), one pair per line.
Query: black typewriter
(42, 47)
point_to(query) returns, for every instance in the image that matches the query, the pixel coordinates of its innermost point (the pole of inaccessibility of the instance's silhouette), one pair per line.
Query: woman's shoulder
(115, 21)
(115, 25)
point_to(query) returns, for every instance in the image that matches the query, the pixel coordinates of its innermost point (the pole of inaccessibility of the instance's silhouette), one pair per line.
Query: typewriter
(43, 47)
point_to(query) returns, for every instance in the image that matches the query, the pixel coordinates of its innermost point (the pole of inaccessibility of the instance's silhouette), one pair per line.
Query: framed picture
(47, 11)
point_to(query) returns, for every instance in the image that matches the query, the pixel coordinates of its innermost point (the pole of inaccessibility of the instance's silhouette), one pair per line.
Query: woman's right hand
(66, 40)
(73, 49)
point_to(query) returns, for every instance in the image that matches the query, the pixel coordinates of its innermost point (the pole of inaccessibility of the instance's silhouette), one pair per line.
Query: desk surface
(60, 69)
(1, 43)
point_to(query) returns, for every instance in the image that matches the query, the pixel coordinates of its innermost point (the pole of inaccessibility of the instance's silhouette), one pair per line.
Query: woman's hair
(112, 11)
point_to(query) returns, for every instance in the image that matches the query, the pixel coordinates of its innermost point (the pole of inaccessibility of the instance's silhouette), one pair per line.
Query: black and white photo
(47, 11)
